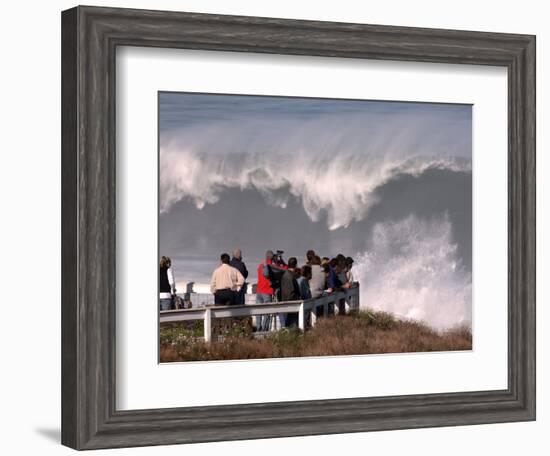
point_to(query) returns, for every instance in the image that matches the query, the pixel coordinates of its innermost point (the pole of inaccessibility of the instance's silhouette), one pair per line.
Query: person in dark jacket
(290, 291)
(333, 282)
(340, 269)
(167, 283)
(309, 257)
(303, 282)
(238, 263)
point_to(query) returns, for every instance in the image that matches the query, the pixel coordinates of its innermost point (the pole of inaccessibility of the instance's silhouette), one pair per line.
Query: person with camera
(264, 292)
(267, 290)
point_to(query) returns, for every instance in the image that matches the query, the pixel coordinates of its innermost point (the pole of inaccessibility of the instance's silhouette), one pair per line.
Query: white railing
(343, 302)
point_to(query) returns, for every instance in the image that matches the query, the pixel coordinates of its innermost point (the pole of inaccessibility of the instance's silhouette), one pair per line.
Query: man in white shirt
(226, 282)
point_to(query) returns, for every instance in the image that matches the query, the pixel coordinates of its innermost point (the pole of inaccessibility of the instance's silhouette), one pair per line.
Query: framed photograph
(280, 228)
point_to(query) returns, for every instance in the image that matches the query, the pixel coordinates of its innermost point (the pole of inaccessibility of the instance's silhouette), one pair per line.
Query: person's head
(333, 262)
(269, 255)
(224, 258)
(325, 260)
(341, 265)
(165, 262)
(292, 263)
(340, 257)
(309, 255)
(316, 260)
(349, 263)
(306, 272)
(237, 254)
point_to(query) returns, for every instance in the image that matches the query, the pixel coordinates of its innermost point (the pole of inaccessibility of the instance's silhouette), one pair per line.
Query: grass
(366, 332)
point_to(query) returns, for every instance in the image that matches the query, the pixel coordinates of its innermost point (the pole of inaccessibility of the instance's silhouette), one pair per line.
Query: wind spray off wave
(312, 160)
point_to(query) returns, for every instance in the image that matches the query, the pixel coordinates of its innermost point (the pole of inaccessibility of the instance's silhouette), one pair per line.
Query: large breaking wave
(409, 267)
(325, 163)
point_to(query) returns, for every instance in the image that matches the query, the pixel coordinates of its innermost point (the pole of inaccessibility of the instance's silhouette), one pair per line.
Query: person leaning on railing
(333, 282)
(350, 280)
(341, 269)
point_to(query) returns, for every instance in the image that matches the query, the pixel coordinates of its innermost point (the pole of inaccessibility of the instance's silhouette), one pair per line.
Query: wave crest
(332, 174)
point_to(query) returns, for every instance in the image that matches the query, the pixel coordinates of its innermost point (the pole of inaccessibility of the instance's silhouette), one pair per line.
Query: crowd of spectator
(277, 281)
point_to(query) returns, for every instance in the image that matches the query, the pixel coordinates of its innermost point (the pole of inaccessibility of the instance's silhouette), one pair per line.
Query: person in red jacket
(264, 289)
(264, 292)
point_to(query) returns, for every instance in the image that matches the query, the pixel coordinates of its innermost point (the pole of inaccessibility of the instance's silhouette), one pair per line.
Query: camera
(278, 257)
(275, 274)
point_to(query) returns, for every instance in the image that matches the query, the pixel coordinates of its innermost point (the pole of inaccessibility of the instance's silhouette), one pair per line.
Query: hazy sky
(181, 110)
(380, 181)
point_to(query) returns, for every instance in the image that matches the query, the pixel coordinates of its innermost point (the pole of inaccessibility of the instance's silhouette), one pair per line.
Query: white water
(412, 270)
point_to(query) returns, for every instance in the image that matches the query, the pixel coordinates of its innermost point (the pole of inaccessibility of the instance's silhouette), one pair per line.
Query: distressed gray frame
(90, 36)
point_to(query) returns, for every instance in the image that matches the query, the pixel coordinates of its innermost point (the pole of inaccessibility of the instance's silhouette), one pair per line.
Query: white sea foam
(411, 269)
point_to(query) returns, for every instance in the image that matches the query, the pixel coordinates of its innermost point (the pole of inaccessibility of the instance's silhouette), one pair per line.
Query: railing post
(313, 316)
(207, 325)
(347, 303)
(301, 317)
(354, 298)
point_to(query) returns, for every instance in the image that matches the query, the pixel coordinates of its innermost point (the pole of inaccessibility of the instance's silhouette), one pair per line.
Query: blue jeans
(263, 320)
(165, 304)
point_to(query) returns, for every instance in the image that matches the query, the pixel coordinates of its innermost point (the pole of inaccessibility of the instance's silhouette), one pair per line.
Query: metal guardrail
(343, 302)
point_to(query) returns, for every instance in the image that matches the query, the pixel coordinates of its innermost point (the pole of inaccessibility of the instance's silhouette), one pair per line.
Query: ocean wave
(326, 164)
